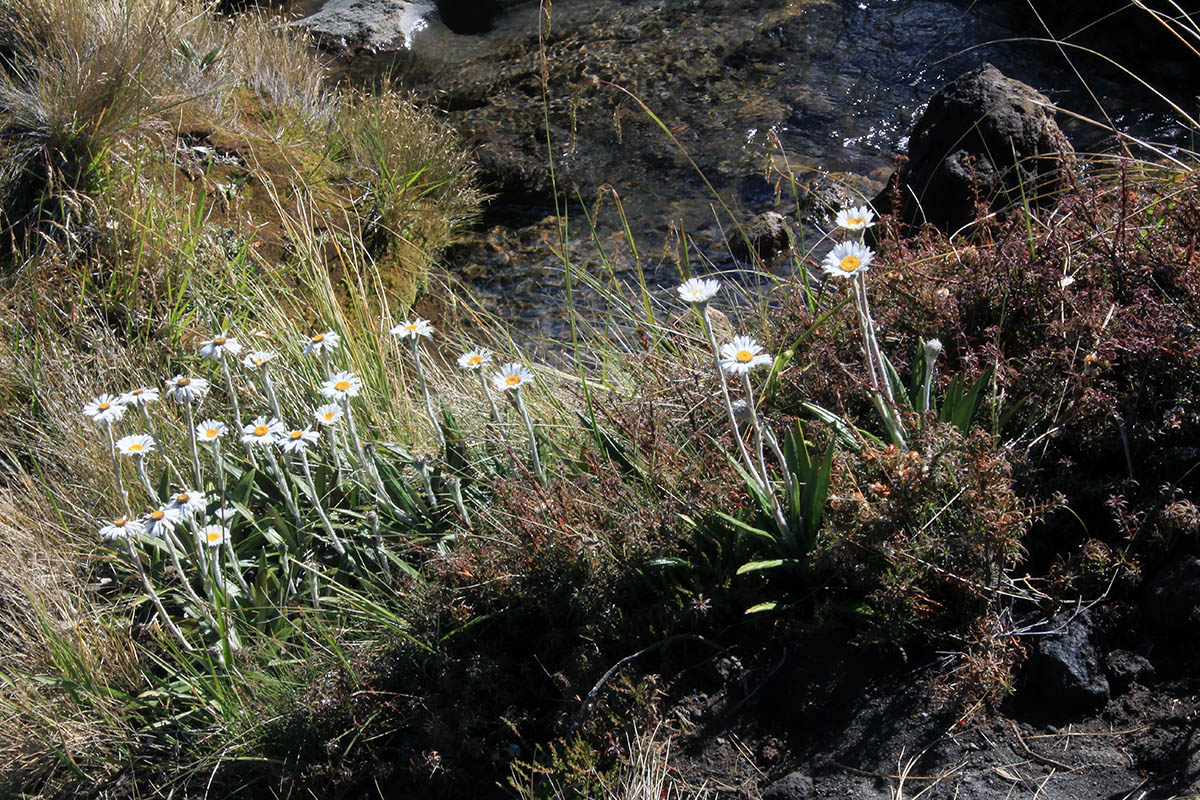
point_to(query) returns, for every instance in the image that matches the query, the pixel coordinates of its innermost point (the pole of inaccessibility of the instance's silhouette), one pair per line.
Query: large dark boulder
(984, 137)
(1065, 668)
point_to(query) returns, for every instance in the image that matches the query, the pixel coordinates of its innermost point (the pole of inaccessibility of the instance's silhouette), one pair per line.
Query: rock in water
(986, 136)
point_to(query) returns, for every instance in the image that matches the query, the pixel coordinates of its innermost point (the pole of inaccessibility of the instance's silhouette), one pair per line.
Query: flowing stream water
(749, 91)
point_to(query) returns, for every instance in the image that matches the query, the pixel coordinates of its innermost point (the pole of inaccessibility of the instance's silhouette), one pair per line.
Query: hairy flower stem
(773, 443)
(312, 485)
(487, 392)
(233, 398)
(116, 461)
(281, 475)
(533, 448)
(761, 480)
(174, 548)
(881, 385)
(227, 544)
(422, 465)
(437, 429)
(456, 492)
(380, 548)
(154, 598)
(191, 426)
(354, 441)
(756, 427)
(269, 386)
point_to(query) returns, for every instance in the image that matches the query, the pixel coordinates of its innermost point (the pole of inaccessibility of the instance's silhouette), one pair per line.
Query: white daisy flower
(137, 444)
(222, 345)
(225, 514)
(214, 535)
(510, 377)
(742, 355)
(296, 440)
(161, 520)
(189, 502)
(183, 389)
(341, 385)
(257, 359)
(320, 343)
(141, 396)
(263, 431)
(120, 528)
(855, 218)
(847, 259)
(328, 414)
(104, 409)
(475, 359)
(411, 329)
(209, 430)
(698, 291)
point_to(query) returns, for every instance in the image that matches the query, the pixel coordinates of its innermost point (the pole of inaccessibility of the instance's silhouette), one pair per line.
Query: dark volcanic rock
(1172, 597)
(795, 786)
(1066, 669)
(1126, 668)
(468, 16)
(768, 236)
(983, 136)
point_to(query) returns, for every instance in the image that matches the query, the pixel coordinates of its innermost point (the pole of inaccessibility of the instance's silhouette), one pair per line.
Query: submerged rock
(984, 138)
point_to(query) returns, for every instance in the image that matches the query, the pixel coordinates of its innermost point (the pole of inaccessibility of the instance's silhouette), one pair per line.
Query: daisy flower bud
(105, 409)
(742, 355)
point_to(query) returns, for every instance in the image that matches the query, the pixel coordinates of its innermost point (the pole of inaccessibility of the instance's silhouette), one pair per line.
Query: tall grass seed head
(475, 359)
(257, 359)
(855, 218)
(296, 440)
(742, 355)
(105, 409)
(411, 329)
(328, 414)
(161, 520)
(209, 430)
(511, 377)
(320, 343)
(341, 385)
(220, 345)
(135, 445)
(120, 528)
(263, 431)
(214, 535)
(698, 291)
(184, 389)
(141, 396)
(189, 502)
(847, 259)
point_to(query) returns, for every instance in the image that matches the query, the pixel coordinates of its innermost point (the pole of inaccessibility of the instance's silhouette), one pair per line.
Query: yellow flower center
(329, 415)
(210, 433)
(104, 406)
(182, 382)
(849, 263)
(744, 356)
(410, 327)
(512, 380)
(213, 536)
(120, 523)
(135, 448)
(157, 515)
(320, 337)
(475, 360)
(854, 222)
(342, 386)
(183, 499)
(294, 435)
(219, 341)
(261, 430)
